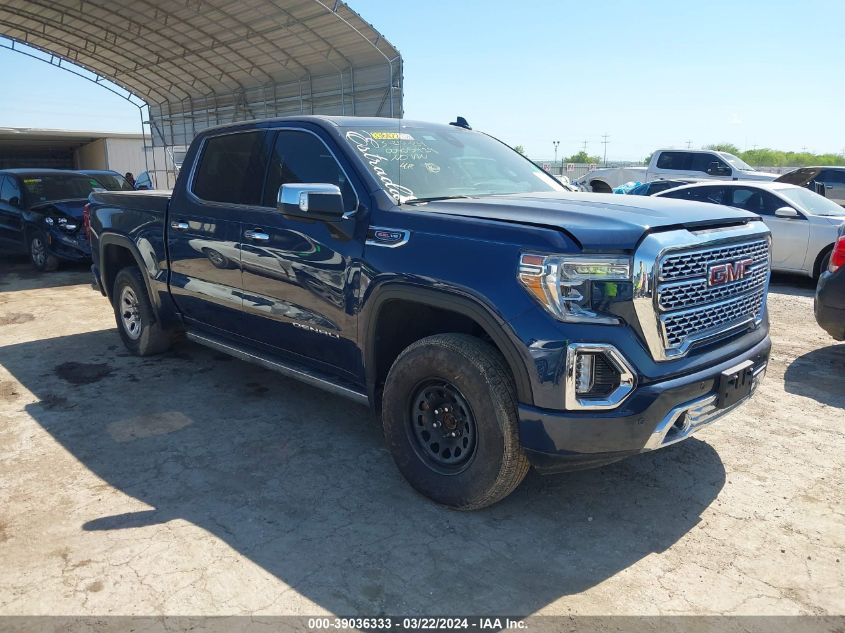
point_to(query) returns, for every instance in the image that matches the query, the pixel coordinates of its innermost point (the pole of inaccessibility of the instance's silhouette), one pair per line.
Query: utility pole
(585, 146)
(605, 142)
(689, 144)
(555, 143)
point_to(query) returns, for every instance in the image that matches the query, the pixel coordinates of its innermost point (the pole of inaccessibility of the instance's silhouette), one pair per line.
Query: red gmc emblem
(720, 274)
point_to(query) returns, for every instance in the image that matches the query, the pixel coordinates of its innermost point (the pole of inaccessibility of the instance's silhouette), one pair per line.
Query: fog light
(597, 377)
(584, 375)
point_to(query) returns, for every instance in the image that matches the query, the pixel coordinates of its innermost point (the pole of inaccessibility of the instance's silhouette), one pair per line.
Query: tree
(520, 149)
(582, 157)
(730, 148)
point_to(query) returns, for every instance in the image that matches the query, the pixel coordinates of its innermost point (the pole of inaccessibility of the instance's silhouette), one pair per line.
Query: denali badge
(720, 274)
(316, 330)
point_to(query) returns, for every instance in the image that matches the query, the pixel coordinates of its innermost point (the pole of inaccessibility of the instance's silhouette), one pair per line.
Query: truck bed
(154, 201)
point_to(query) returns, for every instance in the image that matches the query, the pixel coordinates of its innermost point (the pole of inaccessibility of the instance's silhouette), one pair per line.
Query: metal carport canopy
(198, 63)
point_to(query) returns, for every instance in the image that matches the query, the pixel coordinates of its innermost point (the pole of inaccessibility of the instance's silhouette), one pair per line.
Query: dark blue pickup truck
(494, 320)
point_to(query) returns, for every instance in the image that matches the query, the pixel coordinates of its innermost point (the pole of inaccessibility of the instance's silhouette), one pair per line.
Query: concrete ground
(192, 483)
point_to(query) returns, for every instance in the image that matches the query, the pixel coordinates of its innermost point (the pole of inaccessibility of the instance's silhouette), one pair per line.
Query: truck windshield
(736, 162)
(419, 163)
(49, 187)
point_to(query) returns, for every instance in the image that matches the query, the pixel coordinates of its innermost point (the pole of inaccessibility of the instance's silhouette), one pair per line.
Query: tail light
(86, 220)
(837, 257)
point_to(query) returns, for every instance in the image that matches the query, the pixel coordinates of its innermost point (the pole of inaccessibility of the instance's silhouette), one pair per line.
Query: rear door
(299, 275)
(204, 227)
(11, 213)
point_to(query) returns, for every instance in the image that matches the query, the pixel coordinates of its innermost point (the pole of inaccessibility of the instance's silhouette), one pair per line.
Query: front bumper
(829, 304)
(655, 415)
(73, 247)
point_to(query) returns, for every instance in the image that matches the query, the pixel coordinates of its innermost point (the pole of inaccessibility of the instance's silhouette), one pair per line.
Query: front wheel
(450, 421)
(39, 255)
(142, 334)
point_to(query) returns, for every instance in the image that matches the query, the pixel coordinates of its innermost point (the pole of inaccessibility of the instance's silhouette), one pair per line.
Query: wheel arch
(826, 250)
(455, 310)
(117, 252)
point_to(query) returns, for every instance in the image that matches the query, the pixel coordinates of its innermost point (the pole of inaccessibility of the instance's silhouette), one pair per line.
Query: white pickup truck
(672, 164)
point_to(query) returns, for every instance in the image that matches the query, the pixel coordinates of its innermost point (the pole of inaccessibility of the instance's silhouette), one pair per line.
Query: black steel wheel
(450, 421)
(443, 426)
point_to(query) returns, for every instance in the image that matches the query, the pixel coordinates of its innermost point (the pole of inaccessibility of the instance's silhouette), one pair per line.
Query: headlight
(571, 286)
(61, 222)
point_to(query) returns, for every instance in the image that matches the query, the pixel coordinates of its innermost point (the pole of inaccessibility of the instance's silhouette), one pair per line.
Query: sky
(649, 74)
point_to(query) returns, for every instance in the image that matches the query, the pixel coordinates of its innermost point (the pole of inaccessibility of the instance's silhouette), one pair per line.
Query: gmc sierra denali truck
(494, 320)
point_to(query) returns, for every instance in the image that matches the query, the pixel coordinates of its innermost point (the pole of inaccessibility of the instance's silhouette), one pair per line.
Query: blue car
(41, 214)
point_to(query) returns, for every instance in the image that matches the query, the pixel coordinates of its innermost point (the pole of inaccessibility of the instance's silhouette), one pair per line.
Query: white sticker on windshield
(392, 136)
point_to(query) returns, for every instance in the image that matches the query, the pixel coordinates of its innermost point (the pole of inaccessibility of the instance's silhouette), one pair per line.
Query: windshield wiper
(433, 199)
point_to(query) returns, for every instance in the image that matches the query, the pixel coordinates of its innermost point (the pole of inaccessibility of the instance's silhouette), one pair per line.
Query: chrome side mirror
(787, 212)
(319, 201)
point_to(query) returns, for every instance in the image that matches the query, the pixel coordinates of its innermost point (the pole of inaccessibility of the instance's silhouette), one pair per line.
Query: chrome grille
(684, 294)
(689, 310)
(679, 326)
(695, 263)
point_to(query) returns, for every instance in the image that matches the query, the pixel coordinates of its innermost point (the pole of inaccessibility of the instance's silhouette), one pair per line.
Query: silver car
(803, 223)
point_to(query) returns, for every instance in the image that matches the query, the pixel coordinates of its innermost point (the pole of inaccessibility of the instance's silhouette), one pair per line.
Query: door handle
(179, 225)
(256, 234)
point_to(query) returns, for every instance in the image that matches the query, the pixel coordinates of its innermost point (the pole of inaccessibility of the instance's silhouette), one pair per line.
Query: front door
(299, 275)
(204, 229)
(790, 236)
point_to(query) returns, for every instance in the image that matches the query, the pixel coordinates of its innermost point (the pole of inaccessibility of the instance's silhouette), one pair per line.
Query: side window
(231, 169)
(754, 200)
(704, 163)
(770, 204)
(713, 195)
(301, 157)
(833, 176)
(674, 160)
(9, 190)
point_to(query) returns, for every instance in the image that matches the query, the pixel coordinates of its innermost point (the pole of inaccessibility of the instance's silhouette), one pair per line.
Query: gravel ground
(192, 483)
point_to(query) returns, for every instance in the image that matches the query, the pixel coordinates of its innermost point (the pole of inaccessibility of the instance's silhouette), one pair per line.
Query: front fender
(498, 329)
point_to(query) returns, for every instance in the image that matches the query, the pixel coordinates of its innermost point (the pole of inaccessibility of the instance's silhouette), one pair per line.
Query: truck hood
(598, 221)
(70, 208)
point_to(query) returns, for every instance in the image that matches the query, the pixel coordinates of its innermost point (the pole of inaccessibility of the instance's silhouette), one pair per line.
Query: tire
(468, 375)
(141, 332)
(823, 264)
(41, 259)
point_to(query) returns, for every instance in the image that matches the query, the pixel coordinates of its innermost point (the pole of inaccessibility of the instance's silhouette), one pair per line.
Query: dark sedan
(830, 293)
(41, 214)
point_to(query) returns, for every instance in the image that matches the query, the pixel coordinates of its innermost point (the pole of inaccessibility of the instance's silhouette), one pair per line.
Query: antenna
(461, 122)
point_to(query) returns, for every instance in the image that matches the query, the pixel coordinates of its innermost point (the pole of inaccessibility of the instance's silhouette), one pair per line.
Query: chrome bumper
(688, 418)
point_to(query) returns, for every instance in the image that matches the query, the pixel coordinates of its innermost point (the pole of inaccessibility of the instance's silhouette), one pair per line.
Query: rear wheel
(450, 421)
(824, 262)
(39, 255)
(142, 334)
